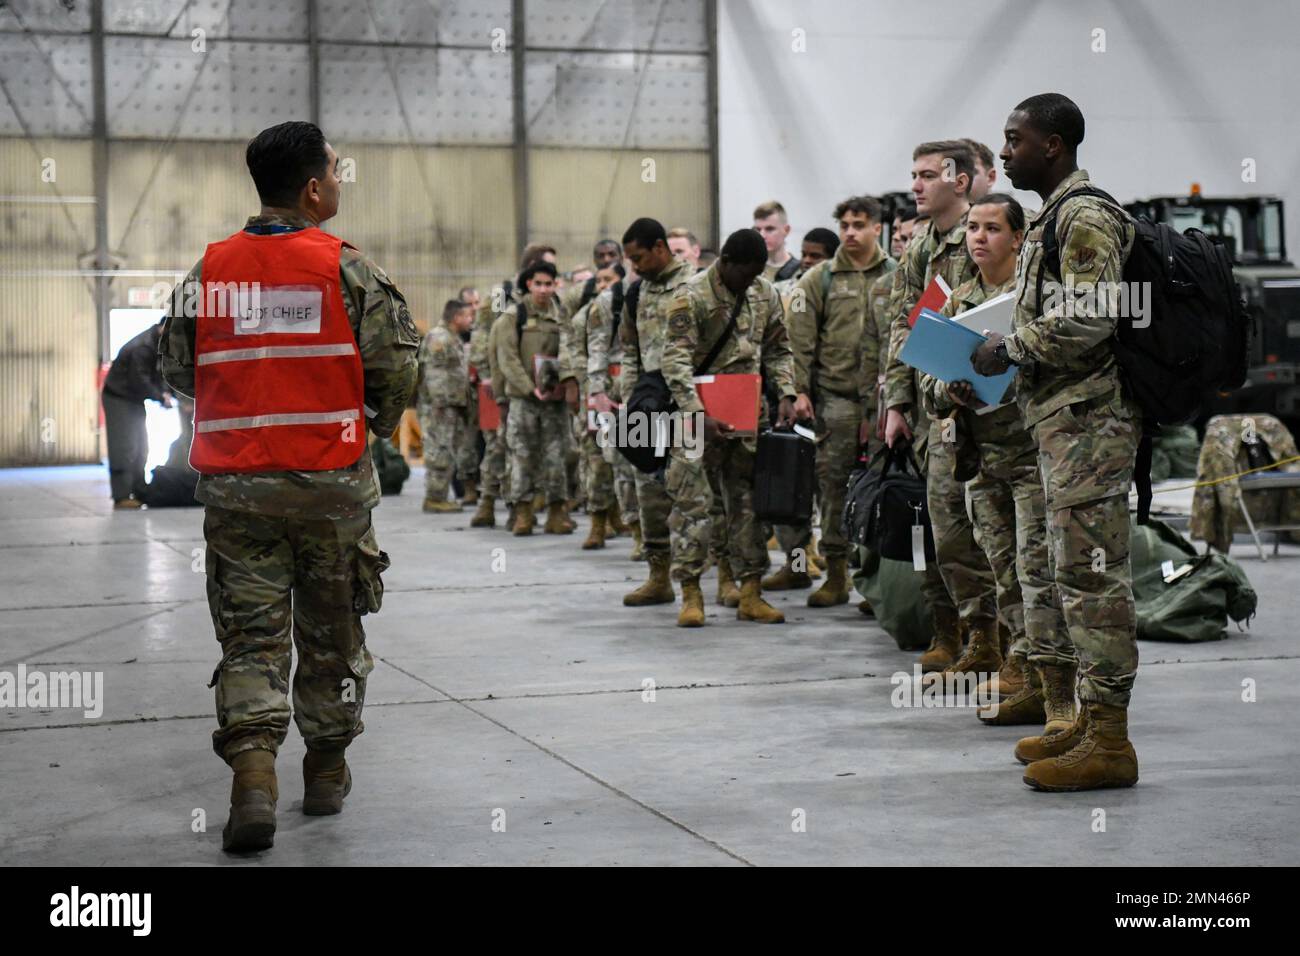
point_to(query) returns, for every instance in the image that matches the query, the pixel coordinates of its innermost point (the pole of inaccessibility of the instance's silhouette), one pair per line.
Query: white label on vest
(293, 310)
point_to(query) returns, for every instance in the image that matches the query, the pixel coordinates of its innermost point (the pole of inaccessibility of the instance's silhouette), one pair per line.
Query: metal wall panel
(49, 347)
(252, 19)
(45, 85)
(163, 88)
(664, 26)
(579, 196)
(455, 22)
(44, 15)
(617, 100)
(393, 95)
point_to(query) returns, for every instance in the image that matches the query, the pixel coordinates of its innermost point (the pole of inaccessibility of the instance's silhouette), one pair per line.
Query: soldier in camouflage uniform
(532, 362)
(495, 467)
(960, 588)
(698, 318)
(1087, 433)
(830, 311)
(605, 378)
(291, 557)
(1006, 495)
(444, 408)
(471, 298)
(601, 503)
(645, 244)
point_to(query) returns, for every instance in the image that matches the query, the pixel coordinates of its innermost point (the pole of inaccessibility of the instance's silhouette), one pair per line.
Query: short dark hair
(824, 238)
(1015, 212)
(533, 252)
(603, 243)
(905, 211)
(541, 265)
(282, 159)
(464, 291)
(868, 206)
(645, 232)
(745, 247)
(1054, 113)
(982, 152)
(963, 160)
(451, 307)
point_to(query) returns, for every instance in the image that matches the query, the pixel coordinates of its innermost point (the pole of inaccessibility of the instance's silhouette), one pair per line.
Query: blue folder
(941, 347)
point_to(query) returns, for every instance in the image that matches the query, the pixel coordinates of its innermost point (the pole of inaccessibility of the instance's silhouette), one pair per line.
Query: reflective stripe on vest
(278, 383)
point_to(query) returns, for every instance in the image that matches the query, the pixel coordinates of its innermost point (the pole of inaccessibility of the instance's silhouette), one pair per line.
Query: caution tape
(1219, 481)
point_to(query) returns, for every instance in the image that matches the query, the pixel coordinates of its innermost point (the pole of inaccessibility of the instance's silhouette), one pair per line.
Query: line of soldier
(1023, 500)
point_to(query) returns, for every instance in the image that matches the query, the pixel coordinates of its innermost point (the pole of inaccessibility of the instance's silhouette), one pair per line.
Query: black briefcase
(784, 478)
(884, 502)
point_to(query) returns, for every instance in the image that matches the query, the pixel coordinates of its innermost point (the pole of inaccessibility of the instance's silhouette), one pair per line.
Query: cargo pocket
(368, 584)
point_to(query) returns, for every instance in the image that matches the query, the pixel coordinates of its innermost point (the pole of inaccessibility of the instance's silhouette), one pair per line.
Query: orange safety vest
(278, 382)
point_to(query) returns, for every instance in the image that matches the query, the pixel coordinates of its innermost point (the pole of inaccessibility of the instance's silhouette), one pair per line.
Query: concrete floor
(519, 696)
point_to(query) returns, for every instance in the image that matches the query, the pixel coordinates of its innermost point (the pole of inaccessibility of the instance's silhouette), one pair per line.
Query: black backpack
(1196, 340)
(171, 488)
(884, 501)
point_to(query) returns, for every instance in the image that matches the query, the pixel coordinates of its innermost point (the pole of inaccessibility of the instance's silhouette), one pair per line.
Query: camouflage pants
(494, 470)
(270, 579)
(600, 475)
(653, 508)
(537, 433)
(837, 456)
(448, 448)
(1086, 452)
(963, 566)
(1010, 525)
(624, 485)
(725, 472)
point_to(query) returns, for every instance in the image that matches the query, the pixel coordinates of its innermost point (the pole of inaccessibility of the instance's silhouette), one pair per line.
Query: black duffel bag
(884, 501)
(784, 477)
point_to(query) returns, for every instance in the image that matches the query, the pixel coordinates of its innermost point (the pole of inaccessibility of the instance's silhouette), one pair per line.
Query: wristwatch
(1000, 350)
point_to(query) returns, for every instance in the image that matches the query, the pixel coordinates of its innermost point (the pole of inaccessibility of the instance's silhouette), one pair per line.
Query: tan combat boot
(326, 781)
(864, 606)
(510, 516)
(557, 520)
(638, 546)
(539, 502)
(980, 657)
(1054, 744)
(752, 607)
(658, 589)
(253, 794)
(787, 579)
(1025, 706)
(485, 517)
(835, 589)
(524, 521)
(470, 497)
(728, 593)
(1103, 758)
(614, 521)
(1059, 712)
(945, 646)
(692, 612)
(441, 505)
(1007, 681)
(596, 536)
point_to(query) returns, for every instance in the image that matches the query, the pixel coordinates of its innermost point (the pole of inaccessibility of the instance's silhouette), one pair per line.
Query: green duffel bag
(894, 590)
(1181, 448)
(1196, 604)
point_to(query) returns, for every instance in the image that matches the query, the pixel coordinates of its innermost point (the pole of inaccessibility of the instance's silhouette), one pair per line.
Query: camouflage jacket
(826, 326)
(643, 339)
(603, 347)
(698, 315)
(875, 334)
(387, 339)
(544, 333)
(444, 368)
(1001, 435)
(1216, 509)
(928, 254)
(1065, 353)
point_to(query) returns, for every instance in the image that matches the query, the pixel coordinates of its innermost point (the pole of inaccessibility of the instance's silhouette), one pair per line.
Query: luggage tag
(918, 542)
(805, 433)
(1170, 575)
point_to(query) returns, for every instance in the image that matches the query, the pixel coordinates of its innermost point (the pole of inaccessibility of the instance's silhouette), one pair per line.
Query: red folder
(489, 413)
(935, 297)
(732, 399)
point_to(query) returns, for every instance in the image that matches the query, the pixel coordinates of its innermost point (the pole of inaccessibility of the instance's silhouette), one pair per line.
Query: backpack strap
(786, 271)
(1051, 246)
(1142, 476)
(521, 319)
(630, 302)
(703, 367)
